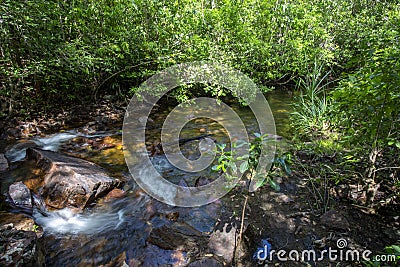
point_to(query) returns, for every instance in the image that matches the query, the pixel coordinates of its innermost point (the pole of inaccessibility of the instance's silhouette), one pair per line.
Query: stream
(116, 231)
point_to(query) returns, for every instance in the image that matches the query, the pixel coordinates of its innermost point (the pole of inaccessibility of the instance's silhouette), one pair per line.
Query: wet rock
(334, 220)
(17, 220)
(71, 182)
(120, 260)
(209, 262)
(20, 195)
(178, 236)
(18, 151)
(222, 243)
(203, 218)
(115, 193)
(17, 244)
(3, 162)
(106, 249)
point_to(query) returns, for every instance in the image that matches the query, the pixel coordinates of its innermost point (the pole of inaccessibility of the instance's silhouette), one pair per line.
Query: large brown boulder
(69, 181)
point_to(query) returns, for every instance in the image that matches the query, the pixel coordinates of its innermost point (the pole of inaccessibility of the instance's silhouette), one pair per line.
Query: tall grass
(310, 118)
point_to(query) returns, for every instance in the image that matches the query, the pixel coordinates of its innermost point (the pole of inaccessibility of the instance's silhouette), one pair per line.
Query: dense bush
(366, 106)
(69, 51)
(362, 109)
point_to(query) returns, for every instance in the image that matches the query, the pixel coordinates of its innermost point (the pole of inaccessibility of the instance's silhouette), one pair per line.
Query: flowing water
(120, 227)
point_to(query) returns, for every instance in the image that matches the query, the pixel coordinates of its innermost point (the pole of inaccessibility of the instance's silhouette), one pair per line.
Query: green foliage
(71, 51)
(367, 101)
(366, 106)
(226, 161)
(393, 251)
(356, 122)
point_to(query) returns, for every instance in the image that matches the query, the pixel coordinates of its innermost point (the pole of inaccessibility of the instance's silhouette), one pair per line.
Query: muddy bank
(103, 116)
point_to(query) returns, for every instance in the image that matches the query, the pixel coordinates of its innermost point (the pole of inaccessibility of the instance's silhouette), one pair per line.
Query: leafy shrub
(226, 161)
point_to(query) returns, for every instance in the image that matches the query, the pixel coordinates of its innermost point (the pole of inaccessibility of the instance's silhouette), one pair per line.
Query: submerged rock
(69, 181)
(178, 236)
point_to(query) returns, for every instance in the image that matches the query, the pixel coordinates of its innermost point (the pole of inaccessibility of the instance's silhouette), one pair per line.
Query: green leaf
(264, 136)
(398, 144)
(287, 169)
(232, 165)
(242, 157)
(396, 248)
(274, 185)
(244, 167)
(239, 143)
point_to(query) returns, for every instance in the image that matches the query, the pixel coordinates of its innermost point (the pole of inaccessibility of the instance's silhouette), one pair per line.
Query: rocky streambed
(61, 209)
(69, 200)
(78, 213)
